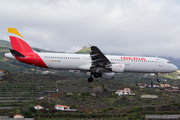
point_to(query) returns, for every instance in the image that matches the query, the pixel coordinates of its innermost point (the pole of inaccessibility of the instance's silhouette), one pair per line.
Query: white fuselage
(132, 64)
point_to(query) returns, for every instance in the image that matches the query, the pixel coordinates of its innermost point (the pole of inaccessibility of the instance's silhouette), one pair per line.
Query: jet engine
(118, 68)
(108, 75)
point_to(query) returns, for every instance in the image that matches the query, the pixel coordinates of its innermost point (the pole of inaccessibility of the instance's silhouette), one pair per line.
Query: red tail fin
(17, 41)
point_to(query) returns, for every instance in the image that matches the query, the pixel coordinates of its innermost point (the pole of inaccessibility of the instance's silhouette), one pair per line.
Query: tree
(151, 84)
(103, 88)
(32, 109)
(6, 74)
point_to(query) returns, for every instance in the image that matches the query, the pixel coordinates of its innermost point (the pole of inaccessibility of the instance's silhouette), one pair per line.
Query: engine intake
(108, 75)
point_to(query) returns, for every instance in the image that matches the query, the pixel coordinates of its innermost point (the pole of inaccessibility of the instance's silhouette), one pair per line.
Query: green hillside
(84, 50)
(43, 50)
(96, 99)
(5, 43)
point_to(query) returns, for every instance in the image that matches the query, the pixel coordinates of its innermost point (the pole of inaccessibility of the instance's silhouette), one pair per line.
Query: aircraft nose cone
(175, 67)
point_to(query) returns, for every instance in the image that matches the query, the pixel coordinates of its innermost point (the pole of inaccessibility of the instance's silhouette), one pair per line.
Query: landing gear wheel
(158, 80)
(90, 79)
(97, 75)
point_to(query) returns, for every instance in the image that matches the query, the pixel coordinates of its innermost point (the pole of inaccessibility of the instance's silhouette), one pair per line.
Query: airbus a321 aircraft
(98, 64)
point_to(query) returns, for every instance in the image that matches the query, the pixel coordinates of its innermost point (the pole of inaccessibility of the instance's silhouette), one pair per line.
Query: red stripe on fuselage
(32, 58)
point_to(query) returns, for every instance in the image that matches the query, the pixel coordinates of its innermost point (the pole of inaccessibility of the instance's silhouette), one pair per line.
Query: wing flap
(98, 58)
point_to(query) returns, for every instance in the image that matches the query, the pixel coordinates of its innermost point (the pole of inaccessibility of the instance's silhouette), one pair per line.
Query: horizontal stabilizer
(16, 53)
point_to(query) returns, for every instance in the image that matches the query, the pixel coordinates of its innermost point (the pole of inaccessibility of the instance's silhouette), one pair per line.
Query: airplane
(98, 64)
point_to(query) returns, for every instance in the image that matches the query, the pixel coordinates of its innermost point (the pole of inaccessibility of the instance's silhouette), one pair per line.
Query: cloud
(133, 27)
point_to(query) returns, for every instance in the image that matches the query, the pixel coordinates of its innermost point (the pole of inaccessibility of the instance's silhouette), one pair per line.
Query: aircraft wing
(98, 58)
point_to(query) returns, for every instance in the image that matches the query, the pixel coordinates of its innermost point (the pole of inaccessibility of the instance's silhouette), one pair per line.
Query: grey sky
(133, 27)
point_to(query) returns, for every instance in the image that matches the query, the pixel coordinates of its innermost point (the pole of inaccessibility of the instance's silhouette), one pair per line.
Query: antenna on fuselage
(89, 45)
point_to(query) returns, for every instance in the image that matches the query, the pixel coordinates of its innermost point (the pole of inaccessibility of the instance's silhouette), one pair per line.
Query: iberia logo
(133, 58)
(119, 66)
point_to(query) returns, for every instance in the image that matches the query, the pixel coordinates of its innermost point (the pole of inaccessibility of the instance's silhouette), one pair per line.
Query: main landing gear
(95, 75)
(90, 79)
(158, 79)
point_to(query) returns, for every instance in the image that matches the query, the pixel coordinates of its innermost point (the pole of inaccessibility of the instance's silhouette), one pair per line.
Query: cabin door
(127, 62)
(160, 63)
(36, 57)
(84, 59)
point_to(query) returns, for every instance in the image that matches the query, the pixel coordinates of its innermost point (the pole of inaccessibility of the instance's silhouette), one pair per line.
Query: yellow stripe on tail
(14, 31)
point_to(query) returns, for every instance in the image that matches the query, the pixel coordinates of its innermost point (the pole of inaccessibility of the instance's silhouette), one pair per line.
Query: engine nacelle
(108, 75)
(118, 68)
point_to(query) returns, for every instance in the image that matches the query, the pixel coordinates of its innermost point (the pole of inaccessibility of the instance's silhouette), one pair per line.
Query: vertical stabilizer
(17, 41)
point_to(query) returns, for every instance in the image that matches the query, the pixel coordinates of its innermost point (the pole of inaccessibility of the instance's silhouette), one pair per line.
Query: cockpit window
(168, 62)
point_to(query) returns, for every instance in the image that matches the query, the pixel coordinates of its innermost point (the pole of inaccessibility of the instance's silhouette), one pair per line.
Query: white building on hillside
(126, 91)
(18, 116)
(61, 107)
(38, 107)
(64, 107)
